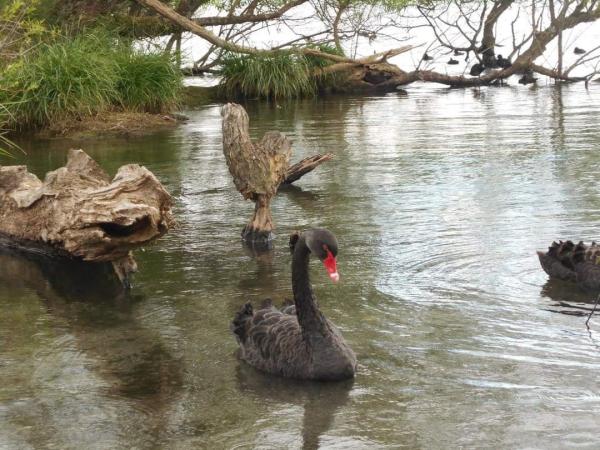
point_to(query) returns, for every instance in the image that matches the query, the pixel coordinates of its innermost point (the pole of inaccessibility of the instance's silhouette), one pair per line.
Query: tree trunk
(260, 229)
(259, 168)
(488, 40)
(77, 211)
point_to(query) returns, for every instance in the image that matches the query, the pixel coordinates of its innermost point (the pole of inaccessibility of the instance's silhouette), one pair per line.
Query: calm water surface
(439, 199)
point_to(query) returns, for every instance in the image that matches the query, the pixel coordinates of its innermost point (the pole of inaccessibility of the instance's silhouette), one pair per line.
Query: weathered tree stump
(79, 212)
(304, 166)
(259, 168)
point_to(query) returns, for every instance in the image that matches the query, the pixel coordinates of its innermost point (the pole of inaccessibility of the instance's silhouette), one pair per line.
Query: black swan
(298, 341)
(579, 51)
(573, 262)
(452, 62)
(426, 57)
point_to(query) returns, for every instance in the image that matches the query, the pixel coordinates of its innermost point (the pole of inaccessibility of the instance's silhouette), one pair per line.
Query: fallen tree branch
(555, 74)
(197, 29)
(304, 166)
(247, 18)
(78, 211)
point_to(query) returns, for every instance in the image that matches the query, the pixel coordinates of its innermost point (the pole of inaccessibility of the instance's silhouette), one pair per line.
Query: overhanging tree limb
(245, 18)
(190, 25)
(207, 35)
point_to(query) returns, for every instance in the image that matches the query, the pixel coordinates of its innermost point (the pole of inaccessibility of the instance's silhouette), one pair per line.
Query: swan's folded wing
(588, 276)
(275, 342)
(556, 268)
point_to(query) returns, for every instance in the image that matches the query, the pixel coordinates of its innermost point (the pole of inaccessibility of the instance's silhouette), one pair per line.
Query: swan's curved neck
(310, 318)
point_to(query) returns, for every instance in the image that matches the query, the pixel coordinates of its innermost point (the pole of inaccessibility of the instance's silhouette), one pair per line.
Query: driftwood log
(78, 211)
(258, 169)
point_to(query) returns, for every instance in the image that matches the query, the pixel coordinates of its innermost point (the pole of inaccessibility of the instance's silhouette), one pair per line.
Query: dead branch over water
(476, 27)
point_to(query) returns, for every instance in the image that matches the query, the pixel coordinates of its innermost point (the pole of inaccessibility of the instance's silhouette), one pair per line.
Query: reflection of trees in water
(557, 115)
(321, 400)
(93, 332)
(575, 166)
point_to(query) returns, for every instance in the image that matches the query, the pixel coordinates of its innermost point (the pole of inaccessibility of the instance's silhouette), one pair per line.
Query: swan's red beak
(331, 266)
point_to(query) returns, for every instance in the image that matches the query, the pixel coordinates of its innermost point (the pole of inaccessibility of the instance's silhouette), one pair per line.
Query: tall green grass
(279, 76)
(80, 76)
(148, 82)
(273, 77)
(63, 79)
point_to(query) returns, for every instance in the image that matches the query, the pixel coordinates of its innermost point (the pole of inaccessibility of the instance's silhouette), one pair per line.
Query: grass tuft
(281, 76)
(273, 77)
(75, 77)
(148, 82)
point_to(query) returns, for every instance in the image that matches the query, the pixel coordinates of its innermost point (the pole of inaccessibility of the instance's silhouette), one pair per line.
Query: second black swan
(297, 341)
(573, 262)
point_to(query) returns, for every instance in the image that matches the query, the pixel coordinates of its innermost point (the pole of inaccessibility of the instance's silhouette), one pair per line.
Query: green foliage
(273, 77)
(280, 76)
(19, 30)
(148, 82)
(67, 78)
(84, 75)
(329, 80)
(317, 61)
(6, 145)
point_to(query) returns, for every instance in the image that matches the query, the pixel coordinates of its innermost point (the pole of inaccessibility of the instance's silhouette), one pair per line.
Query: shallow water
(439, 199)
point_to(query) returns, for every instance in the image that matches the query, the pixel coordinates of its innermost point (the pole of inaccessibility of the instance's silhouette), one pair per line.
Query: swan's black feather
(573, 262)
(296, 341)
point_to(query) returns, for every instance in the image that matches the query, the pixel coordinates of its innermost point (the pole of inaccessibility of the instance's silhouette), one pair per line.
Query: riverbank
(111, 123)
(128, 123)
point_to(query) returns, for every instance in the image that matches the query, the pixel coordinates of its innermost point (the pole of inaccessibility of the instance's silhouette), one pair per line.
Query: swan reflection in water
(320, 400)
(569, 299)
(118, 373)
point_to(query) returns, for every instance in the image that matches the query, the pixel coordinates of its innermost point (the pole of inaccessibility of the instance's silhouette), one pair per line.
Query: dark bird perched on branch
(504, 63)
(498, 62)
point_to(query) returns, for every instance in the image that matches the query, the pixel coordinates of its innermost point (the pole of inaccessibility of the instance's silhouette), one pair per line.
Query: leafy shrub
(148, 82)
(65, 78)
(72, 77)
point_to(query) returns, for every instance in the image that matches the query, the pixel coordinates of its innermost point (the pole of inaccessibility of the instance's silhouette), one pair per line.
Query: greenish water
(439, 200)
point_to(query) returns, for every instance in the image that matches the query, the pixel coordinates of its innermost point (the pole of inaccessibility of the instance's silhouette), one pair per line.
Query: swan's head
(323, 244)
